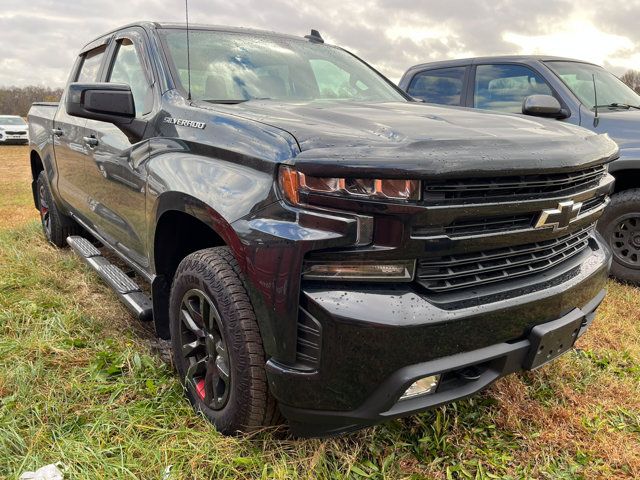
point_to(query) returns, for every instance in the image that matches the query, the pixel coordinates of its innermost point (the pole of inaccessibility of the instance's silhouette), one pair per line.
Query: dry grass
(78, 383)
(15, 174)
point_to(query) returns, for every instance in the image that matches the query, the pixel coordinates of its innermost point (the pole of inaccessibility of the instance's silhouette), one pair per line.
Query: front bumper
(376, 341)
(6, 138)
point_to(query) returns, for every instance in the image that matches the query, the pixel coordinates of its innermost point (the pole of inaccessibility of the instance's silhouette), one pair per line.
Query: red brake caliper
(200, 388)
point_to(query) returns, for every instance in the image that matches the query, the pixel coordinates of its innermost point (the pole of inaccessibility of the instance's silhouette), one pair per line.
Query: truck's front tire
(217, 345)
(55, 224)
(620, 226)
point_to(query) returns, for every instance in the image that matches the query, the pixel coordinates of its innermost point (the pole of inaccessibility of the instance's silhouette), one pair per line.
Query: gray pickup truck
(316, 243)
(569, 90)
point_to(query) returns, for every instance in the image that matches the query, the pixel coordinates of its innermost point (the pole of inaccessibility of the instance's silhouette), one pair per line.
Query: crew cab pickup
(564, 89)
(317, 244)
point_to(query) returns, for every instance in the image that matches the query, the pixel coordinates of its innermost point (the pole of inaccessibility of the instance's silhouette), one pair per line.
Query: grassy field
(80, 383)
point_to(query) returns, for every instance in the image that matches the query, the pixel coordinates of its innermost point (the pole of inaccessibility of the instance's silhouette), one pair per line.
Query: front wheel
(217, 345)
(620, 227)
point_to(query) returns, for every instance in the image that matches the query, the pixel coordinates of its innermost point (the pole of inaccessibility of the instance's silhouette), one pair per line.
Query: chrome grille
(471, 270)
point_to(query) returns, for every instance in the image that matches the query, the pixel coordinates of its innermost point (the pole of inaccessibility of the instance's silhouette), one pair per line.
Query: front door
(115, 174)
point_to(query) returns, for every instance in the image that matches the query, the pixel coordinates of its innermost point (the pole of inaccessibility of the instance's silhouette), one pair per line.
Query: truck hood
(402, 137)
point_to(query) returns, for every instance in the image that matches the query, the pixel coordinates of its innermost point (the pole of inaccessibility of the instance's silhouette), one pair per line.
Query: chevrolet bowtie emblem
(559, 218)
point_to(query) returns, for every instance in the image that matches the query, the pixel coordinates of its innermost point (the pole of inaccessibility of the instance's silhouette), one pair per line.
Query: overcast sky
(39, 38)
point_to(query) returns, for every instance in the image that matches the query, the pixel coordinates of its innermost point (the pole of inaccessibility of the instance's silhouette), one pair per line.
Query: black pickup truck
(316, 243)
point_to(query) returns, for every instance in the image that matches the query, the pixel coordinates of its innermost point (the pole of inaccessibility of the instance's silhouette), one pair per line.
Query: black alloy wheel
(204, 350)
(625, 241)
(620, 227)
(45, 215)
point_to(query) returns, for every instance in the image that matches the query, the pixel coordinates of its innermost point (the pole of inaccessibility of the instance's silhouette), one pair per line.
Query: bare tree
(632, 79)
(16, 100)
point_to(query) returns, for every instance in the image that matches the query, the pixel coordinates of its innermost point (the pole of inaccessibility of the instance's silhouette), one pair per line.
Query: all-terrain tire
(56, 225)
(212, 275)
(620, 227)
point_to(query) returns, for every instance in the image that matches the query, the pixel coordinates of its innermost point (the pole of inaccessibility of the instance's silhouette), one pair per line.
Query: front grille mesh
(474, 269)
(513, 187)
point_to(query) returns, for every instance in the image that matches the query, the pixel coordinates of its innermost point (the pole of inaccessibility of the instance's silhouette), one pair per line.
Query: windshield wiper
(234, 102)
(227, 102)
(618, 105)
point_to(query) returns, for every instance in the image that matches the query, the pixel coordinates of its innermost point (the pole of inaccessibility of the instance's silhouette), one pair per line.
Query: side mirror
(543, 106)
(106, 102)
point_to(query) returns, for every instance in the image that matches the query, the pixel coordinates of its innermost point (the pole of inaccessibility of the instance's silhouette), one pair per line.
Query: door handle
(57, 132)
(91, 141)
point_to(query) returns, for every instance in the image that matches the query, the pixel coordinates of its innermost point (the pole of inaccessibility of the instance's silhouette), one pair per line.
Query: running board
(128, 291)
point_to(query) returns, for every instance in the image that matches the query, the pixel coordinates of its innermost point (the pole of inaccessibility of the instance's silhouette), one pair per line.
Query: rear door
(71, 150)
(115, 173)
(443, 86)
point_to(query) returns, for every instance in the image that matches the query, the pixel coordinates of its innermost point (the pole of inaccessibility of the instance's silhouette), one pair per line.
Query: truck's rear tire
(620, 227)
(217, 345)
(55, 224)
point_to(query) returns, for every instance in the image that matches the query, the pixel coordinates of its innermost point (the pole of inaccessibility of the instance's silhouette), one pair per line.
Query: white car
(13, 129)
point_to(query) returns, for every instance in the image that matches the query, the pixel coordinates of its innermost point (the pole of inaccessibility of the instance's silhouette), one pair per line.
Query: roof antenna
(596, 119)
(186, 13)
(314, 37)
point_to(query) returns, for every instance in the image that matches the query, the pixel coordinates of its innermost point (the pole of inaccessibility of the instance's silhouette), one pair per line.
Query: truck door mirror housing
(106, 102)
(543, 106)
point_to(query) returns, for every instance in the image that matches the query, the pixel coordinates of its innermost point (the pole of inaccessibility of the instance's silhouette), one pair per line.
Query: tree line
(632, 79)
(18, 100)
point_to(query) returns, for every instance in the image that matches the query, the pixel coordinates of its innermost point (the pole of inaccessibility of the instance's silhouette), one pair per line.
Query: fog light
(396, 270)
(424, 386)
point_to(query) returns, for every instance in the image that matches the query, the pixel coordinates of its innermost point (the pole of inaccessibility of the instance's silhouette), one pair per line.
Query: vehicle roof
(497, 58)
(150, 26)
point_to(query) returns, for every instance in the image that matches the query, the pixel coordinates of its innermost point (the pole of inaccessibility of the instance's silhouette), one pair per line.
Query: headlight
(296, 184)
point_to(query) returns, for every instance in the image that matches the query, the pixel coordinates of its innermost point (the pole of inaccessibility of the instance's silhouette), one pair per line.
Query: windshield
(579, 78)
(229, 67)
(12, 121)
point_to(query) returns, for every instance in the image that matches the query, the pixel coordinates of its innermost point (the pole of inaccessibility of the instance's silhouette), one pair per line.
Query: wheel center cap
(635, 240)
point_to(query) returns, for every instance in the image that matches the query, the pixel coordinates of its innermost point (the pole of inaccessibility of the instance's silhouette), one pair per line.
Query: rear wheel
(55, 224)
(217, 345)
(620, 226)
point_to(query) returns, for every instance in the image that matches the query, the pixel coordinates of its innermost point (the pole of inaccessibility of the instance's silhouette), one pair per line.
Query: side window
(127, 68)
(91, 66)
(442, 86)
(504, 87)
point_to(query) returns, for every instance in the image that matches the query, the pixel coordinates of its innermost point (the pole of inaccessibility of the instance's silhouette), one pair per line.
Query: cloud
(39, 39)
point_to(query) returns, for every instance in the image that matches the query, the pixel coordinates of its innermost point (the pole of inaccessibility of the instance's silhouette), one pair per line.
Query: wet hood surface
(403, 137)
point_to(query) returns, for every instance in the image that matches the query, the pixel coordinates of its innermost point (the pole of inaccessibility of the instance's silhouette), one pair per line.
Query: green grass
(80, 383)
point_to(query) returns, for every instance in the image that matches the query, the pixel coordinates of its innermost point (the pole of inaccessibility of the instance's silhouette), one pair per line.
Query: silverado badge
(185, 123)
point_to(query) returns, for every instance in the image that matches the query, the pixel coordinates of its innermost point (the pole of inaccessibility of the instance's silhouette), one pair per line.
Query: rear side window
(90, 68)
(442, 86)
(504, 87)
(127, 68)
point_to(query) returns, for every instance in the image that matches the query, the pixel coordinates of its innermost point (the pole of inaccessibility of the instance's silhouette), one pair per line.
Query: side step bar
(128, 291)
